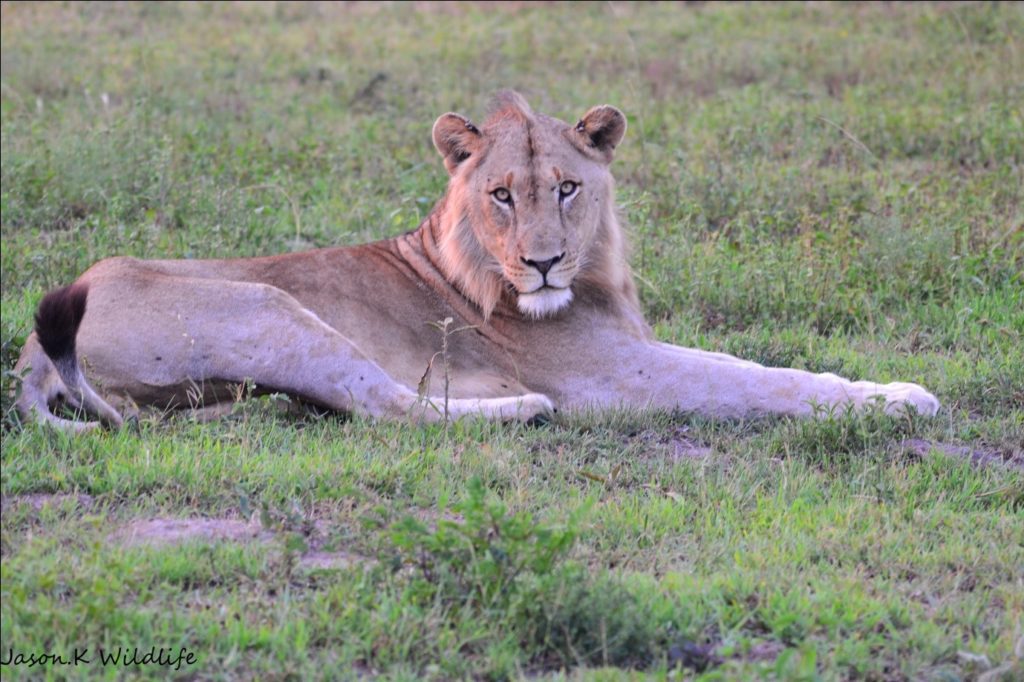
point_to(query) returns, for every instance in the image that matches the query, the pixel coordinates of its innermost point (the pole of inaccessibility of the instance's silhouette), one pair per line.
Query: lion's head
(530, 207)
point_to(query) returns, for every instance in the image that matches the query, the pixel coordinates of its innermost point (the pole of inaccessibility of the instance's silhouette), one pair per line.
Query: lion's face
(533, 194)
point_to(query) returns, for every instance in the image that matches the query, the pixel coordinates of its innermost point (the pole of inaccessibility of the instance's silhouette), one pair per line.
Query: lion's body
(526, 256)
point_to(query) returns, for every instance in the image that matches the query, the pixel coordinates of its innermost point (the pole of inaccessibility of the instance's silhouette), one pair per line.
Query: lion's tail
(58, 318)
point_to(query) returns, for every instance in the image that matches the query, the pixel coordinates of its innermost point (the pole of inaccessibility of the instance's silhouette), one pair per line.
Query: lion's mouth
(544, 287)
(545, 300)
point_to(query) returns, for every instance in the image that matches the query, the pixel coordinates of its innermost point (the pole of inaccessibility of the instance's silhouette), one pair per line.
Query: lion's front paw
(531, 407)
(527, 407)
(898, 396)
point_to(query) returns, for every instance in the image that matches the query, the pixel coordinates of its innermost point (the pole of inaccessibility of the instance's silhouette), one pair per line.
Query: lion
(526, 255)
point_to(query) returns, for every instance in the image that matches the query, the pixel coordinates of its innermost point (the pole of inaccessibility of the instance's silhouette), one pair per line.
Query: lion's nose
(543, 265)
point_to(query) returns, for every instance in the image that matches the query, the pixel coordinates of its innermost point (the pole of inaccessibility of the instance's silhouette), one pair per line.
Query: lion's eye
(567, 188)
(503, 195)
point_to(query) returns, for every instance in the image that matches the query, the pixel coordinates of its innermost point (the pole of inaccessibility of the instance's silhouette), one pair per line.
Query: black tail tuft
(57, 320)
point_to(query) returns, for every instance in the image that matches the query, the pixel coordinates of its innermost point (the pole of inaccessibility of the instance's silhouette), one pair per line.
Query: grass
(833, 187)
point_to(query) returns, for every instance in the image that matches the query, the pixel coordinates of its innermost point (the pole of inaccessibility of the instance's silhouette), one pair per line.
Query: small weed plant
(479, 552)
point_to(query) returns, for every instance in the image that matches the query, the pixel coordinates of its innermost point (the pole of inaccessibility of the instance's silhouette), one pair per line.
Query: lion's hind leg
(206, 330)
(42, 388)
(58, 320)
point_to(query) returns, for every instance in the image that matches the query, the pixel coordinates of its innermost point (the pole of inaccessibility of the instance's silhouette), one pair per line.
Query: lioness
(524, 251)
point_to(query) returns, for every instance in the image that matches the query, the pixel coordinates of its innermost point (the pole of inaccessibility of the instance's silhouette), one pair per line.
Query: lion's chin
(544, 302)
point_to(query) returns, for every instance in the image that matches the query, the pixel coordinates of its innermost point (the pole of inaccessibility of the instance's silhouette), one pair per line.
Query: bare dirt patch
(765, 651)
(673, 445)
(979, 456)
(430, 516)
(159, 532)
(702, 656)
(39, 500)
(332, 560)
(163, 532)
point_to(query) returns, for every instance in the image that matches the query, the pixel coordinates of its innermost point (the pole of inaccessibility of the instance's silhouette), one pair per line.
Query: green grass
(833, 187)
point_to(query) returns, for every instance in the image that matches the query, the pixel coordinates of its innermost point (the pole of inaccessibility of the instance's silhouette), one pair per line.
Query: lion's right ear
(456, 138)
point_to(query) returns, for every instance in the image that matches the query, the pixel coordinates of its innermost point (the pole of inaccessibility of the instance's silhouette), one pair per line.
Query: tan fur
(525, 253)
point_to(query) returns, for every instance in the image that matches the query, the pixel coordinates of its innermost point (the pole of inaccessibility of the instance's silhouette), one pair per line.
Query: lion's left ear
(456, 138)
(601, 129)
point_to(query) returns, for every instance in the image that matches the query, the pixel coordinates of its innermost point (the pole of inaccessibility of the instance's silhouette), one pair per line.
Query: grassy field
(832, 187)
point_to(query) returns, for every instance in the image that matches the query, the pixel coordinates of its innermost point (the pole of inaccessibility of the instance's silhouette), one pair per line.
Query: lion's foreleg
(671, 377)
(515, 408)
(734, 386)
